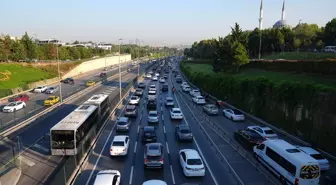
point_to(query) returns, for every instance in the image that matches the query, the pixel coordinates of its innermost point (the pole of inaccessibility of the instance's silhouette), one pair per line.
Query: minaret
(261, 15)
(283, 11)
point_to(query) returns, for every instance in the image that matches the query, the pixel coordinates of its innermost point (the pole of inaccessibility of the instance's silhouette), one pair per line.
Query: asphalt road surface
(35, 103)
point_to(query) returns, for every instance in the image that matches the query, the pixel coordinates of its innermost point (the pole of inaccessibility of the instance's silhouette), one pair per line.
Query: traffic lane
(174, 148)
(140, 174)
(35, 103)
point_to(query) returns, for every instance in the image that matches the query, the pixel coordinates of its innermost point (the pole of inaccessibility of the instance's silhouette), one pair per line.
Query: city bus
(291, 165)
(78, 128)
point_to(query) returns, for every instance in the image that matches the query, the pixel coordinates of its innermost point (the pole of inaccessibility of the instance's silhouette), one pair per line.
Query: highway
(132, 167)
(36, 162)
(35, 103)
(221, 131)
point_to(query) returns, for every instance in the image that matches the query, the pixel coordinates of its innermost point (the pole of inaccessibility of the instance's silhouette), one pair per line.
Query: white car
(176, 113)
(134, 100)
(155, 78)
(234, 114)
(191, 163)
(162, 80)
(150, 72)
(40, 89)
(153, 117)
(169, 101)
(154, 182)
(152, 86)
(107, 176)
(157, 74)
(14, 106)
(184, 84)
(119, 145)
(195, 92)
(151, 94)
(265, 132)
(51, 90)
(186, 88)
(199, 100)
(323, 162)
(148, 76)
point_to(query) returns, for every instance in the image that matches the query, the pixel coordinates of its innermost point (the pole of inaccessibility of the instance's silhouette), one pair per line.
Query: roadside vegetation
(296, 96)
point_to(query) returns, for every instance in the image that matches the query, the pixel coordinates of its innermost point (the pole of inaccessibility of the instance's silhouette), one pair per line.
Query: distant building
(49, 41)
(104, 46)
(282, 23)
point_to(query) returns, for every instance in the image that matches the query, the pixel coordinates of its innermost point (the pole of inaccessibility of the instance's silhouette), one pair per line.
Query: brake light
(124, 149)
(111, 150)
(296, 181)
(145, 160)
(161, 160)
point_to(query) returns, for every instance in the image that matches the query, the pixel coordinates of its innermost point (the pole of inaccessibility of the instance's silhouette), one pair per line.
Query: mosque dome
(281, 24)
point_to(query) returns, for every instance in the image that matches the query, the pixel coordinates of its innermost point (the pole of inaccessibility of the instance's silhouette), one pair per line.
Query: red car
(21, 97)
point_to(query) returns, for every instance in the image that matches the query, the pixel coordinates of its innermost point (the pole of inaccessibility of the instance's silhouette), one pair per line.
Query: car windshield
(317, 156)
(269, 132)
(169, 100)
(153, 147)
(134, 98)
(176, 111)
(38, 87)
(152, 115)
(122, 123)
(11, 104)
(130, 108)
(194, 162)
(50, 98)
(237, 112)
(213, 107)
(152, 93)
(185, 131)
(118, 143)
(138, 90)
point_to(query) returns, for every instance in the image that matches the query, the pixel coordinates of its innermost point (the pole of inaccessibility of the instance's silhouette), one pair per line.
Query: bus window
(62, 139)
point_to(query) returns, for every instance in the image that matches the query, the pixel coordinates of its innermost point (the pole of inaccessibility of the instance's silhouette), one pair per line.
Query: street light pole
(59, 74)
(119, 71)
(138, 63)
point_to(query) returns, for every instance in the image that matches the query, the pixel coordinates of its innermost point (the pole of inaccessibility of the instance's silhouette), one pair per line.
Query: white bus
(77, 129)
(291, 165)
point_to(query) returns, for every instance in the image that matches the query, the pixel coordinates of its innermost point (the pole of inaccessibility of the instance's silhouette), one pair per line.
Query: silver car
(51, 90)
(210, 109)
(153, 117)
(123, 124)
(153, 155)
(183, 133)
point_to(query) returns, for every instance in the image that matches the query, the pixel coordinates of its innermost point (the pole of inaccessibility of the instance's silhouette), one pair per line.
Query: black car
(151, 104)
(148, 134)
(248, 138)
(131, 111)
(141, 85)
(178, 80)
(103, 75)
(138, 92)
(165, 87)
(165, 76)
(68, 81)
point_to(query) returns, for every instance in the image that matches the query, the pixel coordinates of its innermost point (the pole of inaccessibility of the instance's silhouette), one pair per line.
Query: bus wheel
(283, 180)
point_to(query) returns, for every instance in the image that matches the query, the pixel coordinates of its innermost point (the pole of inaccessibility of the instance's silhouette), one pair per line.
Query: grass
(273, 76)
(20, 75)
(300, 56)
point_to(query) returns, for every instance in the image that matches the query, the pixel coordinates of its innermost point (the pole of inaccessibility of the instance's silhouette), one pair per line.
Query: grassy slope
(21, 75)
(274, 76)
(300, 56)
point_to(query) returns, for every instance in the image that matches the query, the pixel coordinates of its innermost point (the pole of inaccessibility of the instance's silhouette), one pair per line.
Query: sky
(156, 22)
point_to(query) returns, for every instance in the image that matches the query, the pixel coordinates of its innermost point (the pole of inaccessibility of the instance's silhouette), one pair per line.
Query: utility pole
(59, 74)
(260, 27)
(119, 71)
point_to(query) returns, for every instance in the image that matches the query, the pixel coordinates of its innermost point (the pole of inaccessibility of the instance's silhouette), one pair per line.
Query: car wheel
(24, 106)
(14, 110)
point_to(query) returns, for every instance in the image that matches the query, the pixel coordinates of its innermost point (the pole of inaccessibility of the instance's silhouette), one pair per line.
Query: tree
(3, 55)
(239, 55)
(296, 43)
(29, 46)
(18, 51)
(330, 33)
(319, 45)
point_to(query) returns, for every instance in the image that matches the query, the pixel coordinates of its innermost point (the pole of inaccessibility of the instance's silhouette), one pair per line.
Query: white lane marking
(164, 129)
(172, 174)
(140, 117)
(138, 129)
(199, 149)
(131, 176)
(161, 109)
(227, 162)
(162, 117)
(167, 147)
(100, 154)
(135, 146)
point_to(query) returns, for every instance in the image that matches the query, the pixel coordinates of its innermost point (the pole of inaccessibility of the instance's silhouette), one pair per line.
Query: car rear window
(118, 143)
(130, 108)
(122, 123)
(194, 162)
(176, 111)
(185, 131)
(133, 98)
(269, 132)
(153, 157)
(317, 156)
(153, 147)
(152, 114)
(237, 112)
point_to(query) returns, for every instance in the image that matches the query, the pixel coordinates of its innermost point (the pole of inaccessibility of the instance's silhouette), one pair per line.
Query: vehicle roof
(308, 150)
(75, 118)
(123, 119)
(119, 138)
(96, 99)
(282, 147)
(251, 133)
(154, 182)
(149, 128)
(153, 112)
(176, 109)
(169, 98)
(154, 149)
(105, 177)
(130, 107)
(191, 154)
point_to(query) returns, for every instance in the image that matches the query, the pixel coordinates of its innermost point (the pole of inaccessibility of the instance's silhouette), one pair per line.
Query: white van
(287, 162)
(154, 182)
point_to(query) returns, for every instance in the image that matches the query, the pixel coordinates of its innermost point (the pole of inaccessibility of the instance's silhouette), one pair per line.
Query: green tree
(330, 33)
(319, 44)
(18, 51)
(239, 55)
(296, 43)
(74, 53)
(3, 55)
(29, 46)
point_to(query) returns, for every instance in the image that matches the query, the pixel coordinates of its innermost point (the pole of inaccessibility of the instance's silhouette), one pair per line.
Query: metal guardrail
(262, 122)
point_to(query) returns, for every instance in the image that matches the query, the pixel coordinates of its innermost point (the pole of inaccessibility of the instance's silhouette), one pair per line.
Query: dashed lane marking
(131, 176)
(172, 174)
(164, 129)
(26, 161)
(167, 147)
(135, 146)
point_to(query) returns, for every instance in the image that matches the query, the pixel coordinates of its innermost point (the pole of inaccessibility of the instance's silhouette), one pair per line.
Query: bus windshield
(62, 139)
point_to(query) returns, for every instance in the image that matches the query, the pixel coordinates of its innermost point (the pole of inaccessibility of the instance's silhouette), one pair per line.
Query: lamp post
(138, 63)
(119, 71)
(59, 74)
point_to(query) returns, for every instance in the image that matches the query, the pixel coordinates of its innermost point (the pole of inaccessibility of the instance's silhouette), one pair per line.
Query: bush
(292, 106)
(321, 67)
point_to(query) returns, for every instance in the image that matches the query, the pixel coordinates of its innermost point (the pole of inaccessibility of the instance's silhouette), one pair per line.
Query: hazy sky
(153, 21)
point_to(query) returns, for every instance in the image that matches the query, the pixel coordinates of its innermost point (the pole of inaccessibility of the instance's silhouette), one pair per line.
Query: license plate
(148, 139)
